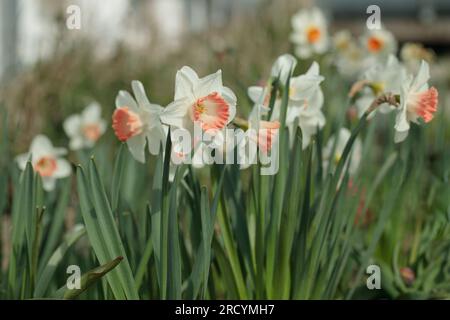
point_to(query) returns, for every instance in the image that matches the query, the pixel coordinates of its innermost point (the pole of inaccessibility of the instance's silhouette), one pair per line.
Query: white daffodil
(304, 105)
(413, 53)
(202, 100)
(417, 100)
(138, 121)
(283, 67)
(86, 128)
(380, 42)
(349, 56)
(310, 34)
(46, 161)
(381, 78)
(333, 150)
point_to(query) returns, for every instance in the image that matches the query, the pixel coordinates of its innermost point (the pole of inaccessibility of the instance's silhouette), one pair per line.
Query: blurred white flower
(283, 67)
(310, 34)
(417, 100)
(349, 56)
(333, 150)
(304, 105)
(202, 100)
(46, 161)
(138, 121)
(413, 53)
(86, 128)
(381, 78)
(379, 42)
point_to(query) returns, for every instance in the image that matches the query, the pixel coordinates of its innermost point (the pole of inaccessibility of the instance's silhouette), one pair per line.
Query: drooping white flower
(46, 161)
(138, 122)
(202, 100)
(86, 128)
(333, 150)
(310, 34)
(381, 78)
(417, 100)
(379, 42)
(283, 67)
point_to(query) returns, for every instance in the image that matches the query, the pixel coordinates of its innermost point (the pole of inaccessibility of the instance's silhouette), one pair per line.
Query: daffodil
(137, 122)
(310, 34)
(86, 128)
(46, 161)
(304, 104)
(333, 150)
(283, 67)
(204, 101)
(381, 78)
(379, 42)
(417, 101)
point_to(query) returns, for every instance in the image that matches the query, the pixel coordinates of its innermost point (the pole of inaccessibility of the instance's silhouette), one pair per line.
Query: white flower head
(417, 101)
(304, 105)
(385, 77)
(202, 100)
(86, 128)
(334, 149)
(310, 34)
(283, 67)
(379, 42)
(137, 121)
(46, 161)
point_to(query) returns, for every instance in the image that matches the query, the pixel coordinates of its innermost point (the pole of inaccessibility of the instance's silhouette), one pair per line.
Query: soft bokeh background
(48, 71)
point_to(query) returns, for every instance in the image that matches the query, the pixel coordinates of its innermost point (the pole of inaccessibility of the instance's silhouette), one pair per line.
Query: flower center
(45, 166)
(91, 131)
(313, 34)
(374, 44)
(212, 112)
(424, 103)
(266, 134)
(126, 123)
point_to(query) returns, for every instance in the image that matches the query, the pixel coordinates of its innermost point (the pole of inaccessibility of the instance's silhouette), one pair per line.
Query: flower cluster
(205, 105)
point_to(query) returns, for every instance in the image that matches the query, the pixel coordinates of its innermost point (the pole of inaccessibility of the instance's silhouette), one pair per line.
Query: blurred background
(47, 69)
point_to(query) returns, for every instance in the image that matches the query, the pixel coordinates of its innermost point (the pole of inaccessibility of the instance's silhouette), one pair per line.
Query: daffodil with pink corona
(418, 102)
(46, 160)
(86, 128)
(137, 122)
(204, 101)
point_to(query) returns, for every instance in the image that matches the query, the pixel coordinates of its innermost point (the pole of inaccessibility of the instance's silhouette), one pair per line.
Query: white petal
(92, 113)
(63, 169)
(255, 93)
(207, 85)
(41, 146)
(136, 145)
(124, 99)
(72, 125)
(400, 136)
(21, 160)
(155, 137)
(283, 67)
(229, 95)
(185, 80)
(423, 75)
(139, 93)
(174, 113)
(76, 143)
(48, 183)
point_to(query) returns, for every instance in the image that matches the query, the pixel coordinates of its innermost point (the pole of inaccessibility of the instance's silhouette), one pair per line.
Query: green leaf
(49, 270)
(89, 278)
